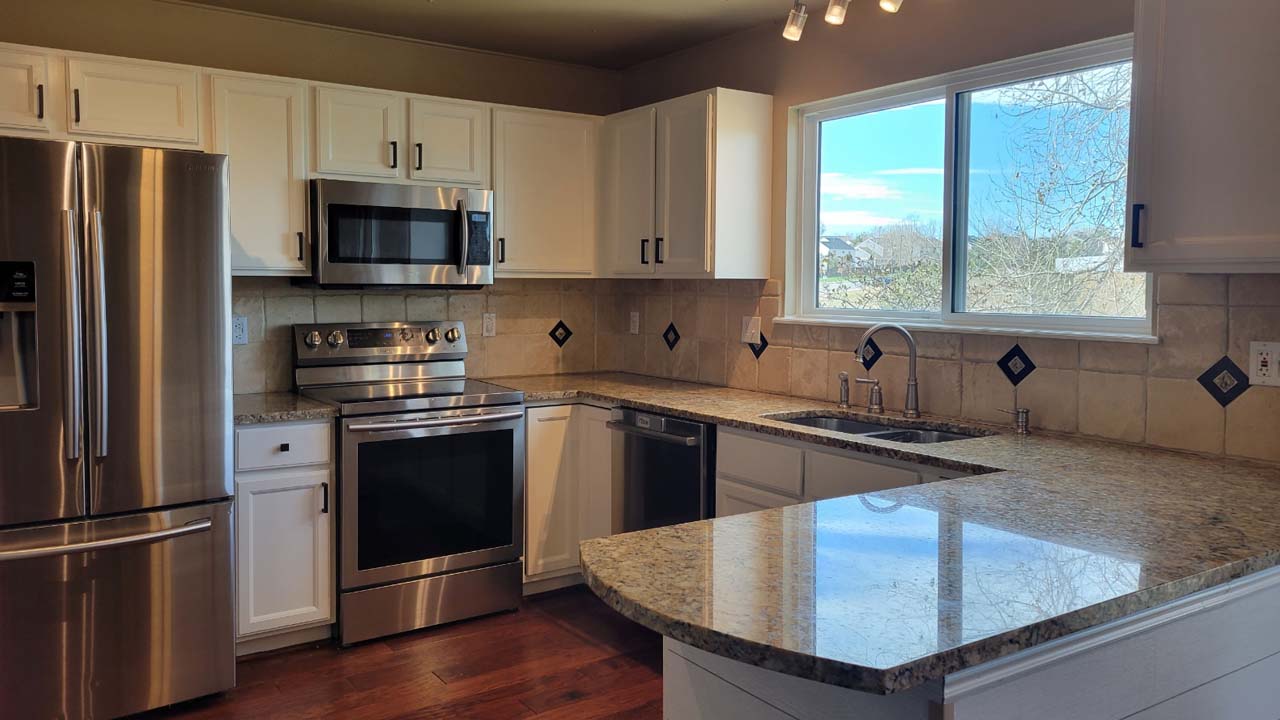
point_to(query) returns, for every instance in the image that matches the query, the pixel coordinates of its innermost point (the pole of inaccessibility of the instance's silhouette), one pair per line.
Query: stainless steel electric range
(430, 475)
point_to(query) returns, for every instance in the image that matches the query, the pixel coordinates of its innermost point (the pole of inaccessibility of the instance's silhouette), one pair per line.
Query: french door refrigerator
(115, 519)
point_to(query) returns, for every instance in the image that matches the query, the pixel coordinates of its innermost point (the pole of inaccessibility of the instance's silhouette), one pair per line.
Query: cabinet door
(683, 242)
(734, 498)
(122, 99)
(24, 90)
(1204, 147)
(595, 472)
(551, 491)
(629, 186)
(827, 475)
(284, 554)
(358, 132)
(260, 124)
(544, 188)
(449, 142)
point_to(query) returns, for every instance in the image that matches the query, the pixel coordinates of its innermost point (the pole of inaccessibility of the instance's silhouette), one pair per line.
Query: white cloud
(853, 188)
(845, 219)
(910, 171)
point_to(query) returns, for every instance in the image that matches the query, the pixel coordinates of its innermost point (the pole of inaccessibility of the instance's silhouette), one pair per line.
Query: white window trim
(802, 236)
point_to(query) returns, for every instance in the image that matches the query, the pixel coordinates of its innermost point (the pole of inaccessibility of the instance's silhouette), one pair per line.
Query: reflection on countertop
(886, 591)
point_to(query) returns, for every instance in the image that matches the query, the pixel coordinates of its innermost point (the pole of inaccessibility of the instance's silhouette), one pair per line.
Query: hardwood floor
(562, 655)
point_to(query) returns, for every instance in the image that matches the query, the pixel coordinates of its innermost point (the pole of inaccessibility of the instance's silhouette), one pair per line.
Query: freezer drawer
(139, 616)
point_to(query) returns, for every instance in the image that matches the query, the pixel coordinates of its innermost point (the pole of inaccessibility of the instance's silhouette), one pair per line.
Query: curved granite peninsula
(1095, 580)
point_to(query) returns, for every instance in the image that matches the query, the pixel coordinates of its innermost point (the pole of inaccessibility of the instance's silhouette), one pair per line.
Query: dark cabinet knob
(284, 447)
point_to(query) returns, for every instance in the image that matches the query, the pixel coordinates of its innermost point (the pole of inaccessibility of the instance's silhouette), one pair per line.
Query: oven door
(427, 493)
(385, 234)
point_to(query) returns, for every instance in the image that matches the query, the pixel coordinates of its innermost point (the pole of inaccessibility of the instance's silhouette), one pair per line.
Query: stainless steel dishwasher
(667, 469)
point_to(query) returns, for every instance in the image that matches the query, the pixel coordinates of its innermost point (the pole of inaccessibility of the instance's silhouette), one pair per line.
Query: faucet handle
(875, 397)
(1022, 418)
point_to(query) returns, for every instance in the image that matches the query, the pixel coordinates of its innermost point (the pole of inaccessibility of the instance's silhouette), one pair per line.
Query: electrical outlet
(490, 325)
(1263, 357)
(751, 330)
(239, 330)
(635, 323)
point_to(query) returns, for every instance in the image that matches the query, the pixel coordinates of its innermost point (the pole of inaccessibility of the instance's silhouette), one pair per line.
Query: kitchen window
(987, 200)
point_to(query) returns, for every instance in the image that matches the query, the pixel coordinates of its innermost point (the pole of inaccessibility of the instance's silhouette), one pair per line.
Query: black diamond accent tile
(671, 336)
(1016, 365)
(561, 333)
(871, 354)
(1225, 381)
(758, 349)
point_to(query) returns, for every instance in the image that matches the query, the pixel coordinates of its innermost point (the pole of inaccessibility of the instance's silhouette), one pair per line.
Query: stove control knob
(433, 336)
(406, 334)
(452, 334)
(313, 339)
(336, 339)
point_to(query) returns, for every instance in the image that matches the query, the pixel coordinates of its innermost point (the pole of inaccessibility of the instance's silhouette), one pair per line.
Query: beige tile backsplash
(1122, 391)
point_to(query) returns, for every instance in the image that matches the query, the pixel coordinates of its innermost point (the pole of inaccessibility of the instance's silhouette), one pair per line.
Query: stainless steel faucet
(844, 390)
(912, 409)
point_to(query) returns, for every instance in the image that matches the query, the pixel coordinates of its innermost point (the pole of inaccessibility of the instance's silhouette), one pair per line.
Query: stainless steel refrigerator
(115, 513)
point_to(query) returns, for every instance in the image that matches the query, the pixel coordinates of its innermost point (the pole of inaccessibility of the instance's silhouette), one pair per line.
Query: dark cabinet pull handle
(302, 244)
(40, 101)
(502, 250)
(644, 251)
(75, 97)
(657, 251)
(395, 154)
(418, 147)
(324, 489)
(284, 447)
(1135, 227)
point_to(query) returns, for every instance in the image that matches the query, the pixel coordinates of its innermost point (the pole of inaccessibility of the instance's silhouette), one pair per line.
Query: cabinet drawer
(827, 475)
(283, 446)
(735, 498)
(770, 465)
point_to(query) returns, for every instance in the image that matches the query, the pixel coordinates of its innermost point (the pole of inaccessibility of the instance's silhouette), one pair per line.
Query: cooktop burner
(371, 398)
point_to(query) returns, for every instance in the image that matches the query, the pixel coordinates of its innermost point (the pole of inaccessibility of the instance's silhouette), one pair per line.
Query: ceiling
(610, 34)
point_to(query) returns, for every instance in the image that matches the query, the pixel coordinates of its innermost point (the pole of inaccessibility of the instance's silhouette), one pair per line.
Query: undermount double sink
(853, 426)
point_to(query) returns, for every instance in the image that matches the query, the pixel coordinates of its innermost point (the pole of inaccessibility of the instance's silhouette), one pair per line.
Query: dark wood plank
(562, 655)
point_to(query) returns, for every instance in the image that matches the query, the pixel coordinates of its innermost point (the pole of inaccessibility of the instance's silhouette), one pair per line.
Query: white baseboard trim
(289, 638)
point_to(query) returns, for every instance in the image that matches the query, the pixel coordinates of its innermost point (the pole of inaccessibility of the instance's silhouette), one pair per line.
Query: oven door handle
(685, 440)
(435, 422)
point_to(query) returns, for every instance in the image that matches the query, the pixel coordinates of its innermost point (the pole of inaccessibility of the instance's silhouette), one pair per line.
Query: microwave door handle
(465, 234)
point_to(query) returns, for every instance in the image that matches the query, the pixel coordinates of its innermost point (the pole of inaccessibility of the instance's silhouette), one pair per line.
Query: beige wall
(872, 49)
(176, 32)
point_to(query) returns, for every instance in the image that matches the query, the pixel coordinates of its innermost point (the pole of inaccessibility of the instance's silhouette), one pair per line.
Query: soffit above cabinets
(611, 34)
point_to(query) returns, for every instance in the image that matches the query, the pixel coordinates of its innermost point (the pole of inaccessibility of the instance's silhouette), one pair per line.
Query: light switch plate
(1263, 359)
(239, 330)
(490, 325)
(635, 323)
(751, 330)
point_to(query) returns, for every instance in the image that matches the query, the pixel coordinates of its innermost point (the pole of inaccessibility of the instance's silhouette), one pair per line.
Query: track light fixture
(836, 11)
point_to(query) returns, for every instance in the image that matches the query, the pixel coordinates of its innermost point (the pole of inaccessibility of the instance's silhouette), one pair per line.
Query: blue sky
(883, 167)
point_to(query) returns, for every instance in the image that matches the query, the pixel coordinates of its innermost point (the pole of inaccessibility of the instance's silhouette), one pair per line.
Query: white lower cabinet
(755, 472)
(284, 537)
(568, 486)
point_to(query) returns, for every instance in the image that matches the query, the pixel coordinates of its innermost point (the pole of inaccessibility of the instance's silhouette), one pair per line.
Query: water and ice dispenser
(19, 389)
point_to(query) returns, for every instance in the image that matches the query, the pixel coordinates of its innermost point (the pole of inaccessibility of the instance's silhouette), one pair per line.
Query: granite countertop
(886, 591)
(277, 407)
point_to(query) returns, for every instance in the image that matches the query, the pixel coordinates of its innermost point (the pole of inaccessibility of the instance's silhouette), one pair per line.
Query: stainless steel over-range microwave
(367, 233)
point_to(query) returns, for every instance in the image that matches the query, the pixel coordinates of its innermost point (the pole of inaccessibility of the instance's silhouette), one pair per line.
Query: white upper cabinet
(133, 100)
(629, 191)
(682, 243)
(359, 132)
(24, 90)
(1204, 146)
(261, 125)
(449, 142)
(700, 179)
(544, 192)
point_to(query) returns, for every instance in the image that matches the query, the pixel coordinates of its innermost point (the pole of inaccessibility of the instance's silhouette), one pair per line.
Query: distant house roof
(838, 243)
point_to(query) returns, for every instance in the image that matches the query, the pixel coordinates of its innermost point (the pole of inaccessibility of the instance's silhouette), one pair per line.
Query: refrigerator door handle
(190, 528)
(73, 389)
(100, 339)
